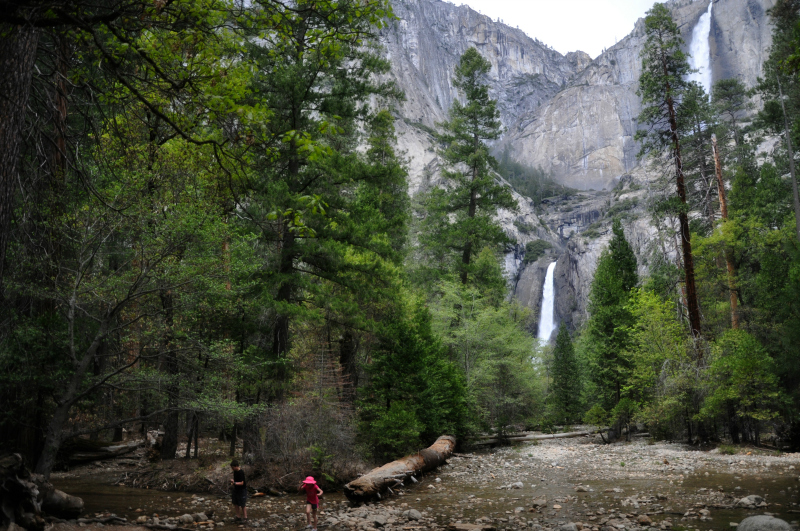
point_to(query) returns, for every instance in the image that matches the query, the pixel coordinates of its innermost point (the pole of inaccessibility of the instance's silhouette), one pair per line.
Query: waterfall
(546, 319)
(700, 50)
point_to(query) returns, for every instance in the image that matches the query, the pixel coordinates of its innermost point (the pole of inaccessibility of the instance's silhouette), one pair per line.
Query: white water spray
(546, 318)
(701, 50)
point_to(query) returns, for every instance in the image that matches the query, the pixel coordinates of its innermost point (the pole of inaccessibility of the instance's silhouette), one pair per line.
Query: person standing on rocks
(313, 492)
(239, 494)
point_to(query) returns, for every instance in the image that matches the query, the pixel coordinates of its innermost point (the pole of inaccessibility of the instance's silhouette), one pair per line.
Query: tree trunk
(53, 432)
(686, 238)
(473, 208)
(348, 349)
(791, 163)
(169, 444)
(18, 46)
(723, 207)
(371, 485)
(232, 451)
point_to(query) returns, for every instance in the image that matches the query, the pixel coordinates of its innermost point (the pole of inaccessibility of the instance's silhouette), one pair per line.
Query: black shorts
(239, 497)
(313, 505)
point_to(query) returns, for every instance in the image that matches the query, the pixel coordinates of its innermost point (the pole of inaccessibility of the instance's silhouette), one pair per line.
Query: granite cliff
(572, 115)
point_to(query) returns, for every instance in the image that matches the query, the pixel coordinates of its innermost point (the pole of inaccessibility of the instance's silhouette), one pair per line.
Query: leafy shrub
(592, 231)
(623, 208)
(727, 449)
(596, 416)
(535, 250)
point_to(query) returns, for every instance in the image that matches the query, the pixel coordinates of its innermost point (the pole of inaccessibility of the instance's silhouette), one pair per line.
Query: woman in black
(239, 494)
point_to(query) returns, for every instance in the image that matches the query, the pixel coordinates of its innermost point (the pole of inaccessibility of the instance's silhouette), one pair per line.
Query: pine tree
(566, 391)
(460, 219)
(662, 86)
(611, 318)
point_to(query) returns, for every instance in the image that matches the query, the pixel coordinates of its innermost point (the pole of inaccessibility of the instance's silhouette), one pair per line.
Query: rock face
(573, 116)
(584, 134)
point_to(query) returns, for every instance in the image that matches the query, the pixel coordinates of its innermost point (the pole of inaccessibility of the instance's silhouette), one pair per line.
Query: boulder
(644, 520)
(378, 520)
(749, 502)
(412, 514)
(763, 522)
(184, 518)
(517, 485)
(200, 517)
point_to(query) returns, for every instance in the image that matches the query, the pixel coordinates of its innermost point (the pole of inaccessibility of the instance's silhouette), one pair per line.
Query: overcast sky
(567, 25)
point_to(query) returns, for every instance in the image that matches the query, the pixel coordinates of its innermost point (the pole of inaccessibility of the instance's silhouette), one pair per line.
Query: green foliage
(530, 182)
(459, 219)
(535, 249)
(742, 380)
(596, 416)
(565, 392)
(727, 449)
(608, 325)
(414, 393)
(665, 68)
(622, 209)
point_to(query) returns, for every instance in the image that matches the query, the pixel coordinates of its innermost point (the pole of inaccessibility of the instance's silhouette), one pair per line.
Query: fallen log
(567, 435)
(374, 483)
(104, 452)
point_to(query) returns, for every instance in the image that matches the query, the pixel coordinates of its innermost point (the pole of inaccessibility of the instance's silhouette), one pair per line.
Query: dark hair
(234, 463)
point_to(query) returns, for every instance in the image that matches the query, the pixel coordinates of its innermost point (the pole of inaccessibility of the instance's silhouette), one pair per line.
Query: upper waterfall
(700, 49)
(546, 316)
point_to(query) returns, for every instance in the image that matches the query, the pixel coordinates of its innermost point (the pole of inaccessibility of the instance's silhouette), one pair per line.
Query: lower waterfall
(546, 315)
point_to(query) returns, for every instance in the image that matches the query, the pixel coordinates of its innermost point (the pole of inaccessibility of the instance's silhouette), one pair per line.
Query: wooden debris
(377, 481)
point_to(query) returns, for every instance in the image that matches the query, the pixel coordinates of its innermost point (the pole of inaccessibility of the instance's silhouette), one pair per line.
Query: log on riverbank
(24, 496)
(522, 438)
(101, 453)
(376, 482)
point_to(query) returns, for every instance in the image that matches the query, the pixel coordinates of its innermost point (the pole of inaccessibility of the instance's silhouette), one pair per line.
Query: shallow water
(469, 490)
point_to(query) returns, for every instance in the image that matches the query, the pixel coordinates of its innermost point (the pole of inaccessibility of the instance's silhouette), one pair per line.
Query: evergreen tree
(610, 320)
(459, 219)
(662, 86)
(317, 207)
(566, 390)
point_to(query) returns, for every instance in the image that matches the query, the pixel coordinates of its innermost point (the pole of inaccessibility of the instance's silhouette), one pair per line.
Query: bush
(596, 416)
(727, 449)
(395, 432)
(535, 250)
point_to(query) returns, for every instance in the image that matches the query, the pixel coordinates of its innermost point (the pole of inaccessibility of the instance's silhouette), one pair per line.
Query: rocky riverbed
(568, 484)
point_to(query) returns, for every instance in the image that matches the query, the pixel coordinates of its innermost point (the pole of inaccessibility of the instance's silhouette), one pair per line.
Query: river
(669, 484)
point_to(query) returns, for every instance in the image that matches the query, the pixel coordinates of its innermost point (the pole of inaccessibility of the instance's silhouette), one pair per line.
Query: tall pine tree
(611, 318)
(662, 86)
(566, 391)
(460, 218)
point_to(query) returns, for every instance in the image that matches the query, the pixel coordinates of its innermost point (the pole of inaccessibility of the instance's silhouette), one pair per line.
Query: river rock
(644, 520)
(184, 518)
(471, 527)
(517, 485)
(570, 526)
(200, 517)
(539, 502)
(763, 522)
(141, 520)
(412, 514)
(750, 502)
